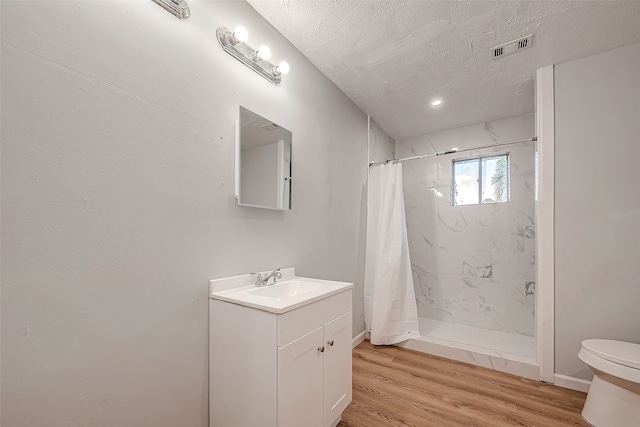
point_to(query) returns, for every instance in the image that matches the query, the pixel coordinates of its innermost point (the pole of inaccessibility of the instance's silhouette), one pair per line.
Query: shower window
(481, 180)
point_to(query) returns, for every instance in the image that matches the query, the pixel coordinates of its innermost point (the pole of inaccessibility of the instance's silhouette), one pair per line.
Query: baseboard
(571, 382)
(358, 339)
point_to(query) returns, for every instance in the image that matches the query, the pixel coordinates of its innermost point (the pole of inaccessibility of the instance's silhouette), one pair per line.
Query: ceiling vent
(512, 47)
(270, 126)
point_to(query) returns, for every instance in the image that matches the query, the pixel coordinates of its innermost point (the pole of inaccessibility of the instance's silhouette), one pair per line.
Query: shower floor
(506, 352)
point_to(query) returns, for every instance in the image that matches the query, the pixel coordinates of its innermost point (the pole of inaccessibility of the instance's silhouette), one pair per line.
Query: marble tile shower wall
(475, 264)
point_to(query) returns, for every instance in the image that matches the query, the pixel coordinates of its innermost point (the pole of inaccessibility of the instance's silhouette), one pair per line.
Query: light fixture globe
(240, 34)
(283, 67)
(280, 69)
(263, 53)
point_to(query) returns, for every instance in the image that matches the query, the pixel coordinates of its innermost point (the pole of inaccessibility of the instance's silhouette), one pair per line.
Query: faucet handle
(258, 278)
(276, 275)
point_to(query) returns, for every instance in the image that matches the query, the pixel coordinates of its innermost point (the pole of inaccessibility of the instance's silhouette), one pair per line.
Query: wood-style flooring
(393, 386)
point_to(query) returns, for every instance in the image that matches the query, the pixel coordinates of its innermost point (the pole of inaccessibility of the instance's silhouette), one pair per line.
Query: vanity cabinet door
(300, 381)
(337, 367)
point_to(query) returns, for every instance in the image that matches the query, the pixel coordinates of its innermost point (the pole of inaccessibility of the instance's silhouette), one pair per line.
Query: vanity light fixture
(178, 8)
(234, 43)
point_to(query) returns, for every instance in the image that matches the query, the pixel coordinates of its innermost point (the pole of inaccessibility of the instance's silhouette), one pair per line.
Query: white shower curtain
(390, 310)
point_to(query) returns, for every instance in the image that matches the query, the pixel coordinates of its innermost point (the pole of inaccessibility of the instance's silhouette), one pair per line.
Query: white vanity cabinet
(289, 369)
(314, 376)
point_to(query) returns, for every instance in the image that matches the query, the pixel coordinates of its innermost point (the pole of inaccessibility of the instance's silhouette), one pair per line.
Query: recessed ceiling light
(436, 102)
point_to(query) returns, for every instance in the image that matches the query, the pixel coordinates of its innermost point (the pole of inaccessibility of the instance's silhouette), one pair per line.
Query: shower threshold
(502, 351)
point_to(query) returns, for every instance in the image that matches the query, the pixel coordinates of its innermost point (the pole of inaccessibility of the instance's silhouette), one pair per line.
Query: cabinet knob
(330, 343)
(321, 349)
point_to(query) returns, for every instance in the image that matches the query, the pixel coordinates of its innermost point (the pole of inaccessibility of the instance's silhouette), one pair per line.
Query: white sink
(292, 288)
(289, 293)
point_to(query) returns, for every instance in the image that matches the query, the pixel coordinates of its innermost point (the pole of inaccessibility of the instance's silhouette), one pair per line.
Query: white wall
(118, 206)
(381, 146)
(472, 265)
(597, 203)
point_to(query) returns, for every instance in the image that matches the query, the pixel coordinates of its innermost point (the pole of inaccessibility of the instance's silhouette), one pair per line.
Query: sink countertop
(288, 294)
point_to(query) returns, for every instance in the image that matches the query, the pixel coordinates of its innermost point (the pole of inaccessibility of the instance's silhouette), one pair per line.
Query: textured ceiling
(393, 57)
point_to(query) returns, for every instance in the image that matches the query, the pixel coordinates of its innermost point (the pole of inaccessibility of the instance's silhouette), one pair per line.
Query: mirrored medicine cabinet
(263, 162)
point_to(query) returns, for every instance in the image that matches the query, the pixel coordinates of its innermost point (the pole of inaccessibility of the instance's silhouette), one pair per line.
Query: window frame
(479, 159)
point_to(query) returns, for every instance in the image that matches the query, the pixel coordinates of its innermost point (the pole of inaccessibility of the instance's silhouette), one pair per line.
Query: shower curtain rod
(519, 141)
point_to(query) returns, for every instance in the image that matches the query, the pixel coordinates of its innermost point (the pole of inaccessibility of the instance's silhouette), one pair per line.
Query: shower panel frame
(545, 130)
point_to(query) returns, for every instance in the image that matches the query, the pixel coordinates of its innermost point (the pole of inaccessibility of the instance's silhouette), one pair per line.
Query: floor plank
(393, 386)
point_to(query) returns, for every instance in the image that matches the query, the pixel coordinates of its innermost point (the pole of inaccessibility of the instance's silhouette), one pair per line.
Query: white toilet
(614, 395)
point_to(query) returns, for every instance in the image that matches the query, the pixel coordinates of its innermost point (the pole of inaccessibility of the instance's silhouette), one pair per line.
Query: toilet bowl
(614, 394)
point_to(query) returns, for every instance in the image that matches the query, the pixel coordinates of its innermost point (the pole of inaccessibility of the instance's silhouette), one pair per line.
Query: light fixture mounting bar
(178, 8)
(243, 53)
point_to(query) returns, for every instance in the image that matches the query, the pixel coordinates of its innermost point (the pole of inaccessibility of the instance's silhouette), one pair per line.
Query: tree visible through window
(481, 180)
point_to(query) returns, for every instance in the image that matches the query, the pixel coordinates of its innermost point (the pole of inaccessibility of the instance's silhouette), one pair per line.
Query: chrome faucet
(260, 281)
